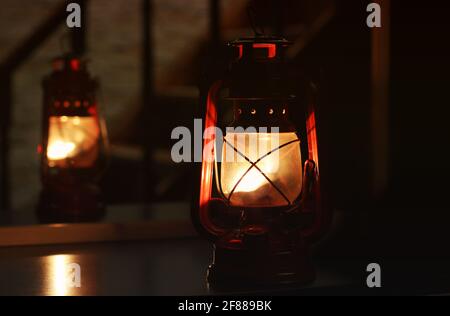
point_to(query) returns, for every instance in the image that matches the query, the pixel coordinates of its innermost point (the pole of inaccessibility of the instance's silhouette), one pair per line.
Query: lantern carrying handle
(257, 29)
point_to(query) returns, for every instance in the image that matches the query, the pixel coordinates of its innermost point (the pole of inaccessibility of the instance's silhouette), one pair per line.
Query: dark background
(403, 219)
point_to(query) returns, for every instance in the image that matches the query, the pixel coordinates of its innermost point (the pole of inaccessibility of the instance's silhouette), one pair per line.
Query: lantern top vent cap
(260, 49)
(261, 40)
(69, 62)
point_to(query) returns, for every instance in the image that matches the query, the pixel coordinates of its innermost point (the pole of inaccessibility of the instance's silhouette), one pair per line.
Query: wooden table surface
(177, 267)
(168, 267)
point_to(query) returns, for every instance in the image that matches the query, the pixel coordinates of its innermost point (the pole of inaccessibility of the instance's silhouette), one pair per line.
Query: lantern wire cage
(90, 137)
(253, 165)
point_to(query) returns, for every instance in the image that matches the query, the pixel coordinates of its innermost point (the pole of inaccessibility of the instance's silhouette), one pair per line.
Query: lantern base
(71, 204)
(244, 268)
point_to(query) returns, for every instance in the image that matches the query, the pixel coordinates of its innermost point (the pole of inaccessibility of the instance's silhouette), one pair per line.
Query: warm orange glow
(59, 276)
(59, 283)
(312, 138)
(206, 182)
(251, 182)
(208, 165)
(58, 150)
(274, 180)
(321, 217)
(271, 49)
(72, 141)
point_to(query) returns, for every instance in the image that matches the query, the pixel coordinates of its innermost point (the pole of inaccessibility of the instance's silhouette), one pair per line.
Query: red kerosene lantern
(259, 198)
(74, 148)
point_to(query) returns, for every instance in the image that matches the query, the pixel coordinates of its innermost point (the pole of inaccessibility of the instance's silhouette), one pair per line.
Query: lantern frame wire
(252, 17)
(254, 165)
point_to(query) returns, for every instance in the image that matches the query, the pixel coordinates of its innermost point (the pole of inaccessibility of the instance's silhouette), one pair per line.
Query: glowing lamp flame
(72, 142)
(59, 150)
(252, 181)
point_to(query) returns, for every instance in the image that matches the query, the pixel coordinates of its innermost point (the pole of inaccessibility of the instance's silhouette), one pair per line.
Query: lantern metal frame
(259, 74)
(71, 194)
